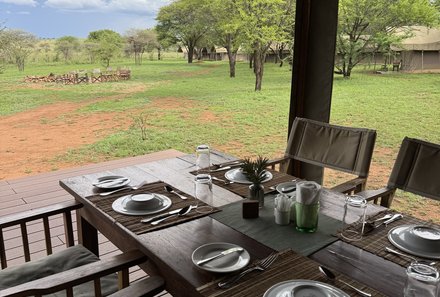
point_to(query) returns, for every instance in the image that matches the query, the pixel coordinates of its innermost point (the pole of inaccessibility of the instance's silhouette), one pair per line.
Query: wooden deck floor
(40, 190)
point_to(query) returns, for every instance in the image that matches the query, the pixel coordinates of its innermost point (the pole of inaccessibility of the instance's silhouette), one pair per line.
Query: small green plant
(140, 121)
(255, 171)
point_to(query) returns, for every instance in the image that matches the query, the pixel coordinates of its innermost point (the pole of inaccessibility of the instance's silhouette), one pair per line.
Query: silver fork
(261, 266)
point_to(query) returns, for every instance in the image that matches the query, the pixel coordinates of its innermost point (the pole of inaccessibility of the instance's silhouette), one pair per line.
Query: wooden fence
(82, 76)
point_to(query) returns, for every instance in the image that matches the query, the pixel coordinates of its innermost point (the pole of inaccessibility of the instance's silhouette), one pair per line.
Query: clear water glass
(203, 192)
(353, 219)
(421, 280)
(203, 158)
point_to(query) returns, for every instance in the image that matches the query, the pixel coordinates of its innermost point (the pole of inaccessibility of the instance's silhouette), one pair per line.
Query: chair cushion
(60, 261)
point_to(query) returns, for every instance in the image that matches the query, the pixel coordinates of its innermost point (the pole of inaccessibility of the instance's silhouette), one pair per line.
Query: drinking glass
(353, 219)
(202, 158)
(421, 280)
(203, 192)
(307, 217)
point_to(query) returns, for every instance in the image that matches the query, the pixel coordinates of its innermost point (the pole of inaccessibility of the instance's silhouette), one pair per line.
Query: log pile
(82, 76)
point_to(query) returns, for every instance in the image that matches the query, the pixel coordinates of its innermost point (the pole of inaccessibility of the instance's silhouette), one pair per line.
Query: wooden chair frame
(68, 279)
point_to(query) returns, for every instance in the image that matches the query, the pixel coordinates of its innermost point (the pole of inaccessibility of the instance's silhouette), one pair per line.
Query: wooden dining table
(169, 249)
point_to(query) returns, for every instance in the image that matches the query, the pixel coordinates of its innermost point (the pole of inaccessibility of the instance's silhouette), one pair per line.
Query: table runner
(243, 189)
(133, 223)
(265, 230)
(376, 241)
(288, 266)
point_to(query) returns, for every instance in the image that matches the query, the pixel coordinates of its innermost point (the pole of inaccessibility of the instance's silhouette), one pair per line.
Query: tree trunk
(158, 53)
(232, 60)
(251, 60)
(258, 68)
(190, 54)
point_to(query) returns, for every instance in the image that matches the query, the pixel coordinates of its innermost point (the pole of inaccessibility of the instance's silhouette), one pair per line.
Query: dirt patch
(30, 139)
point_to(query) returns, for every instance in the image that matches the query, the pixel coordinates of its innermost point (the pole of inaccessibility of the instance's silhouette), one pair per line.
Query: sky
(57, 18)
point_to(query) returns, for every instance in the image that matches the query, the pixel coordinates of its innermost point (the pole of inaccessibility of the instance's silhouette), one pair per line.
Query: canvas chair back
(417, 168)
(342, 148)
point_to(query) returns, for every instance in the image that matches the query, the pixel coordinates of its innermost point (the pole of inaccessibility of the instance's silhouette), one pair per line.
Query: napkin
(283, 202)
(308, 192)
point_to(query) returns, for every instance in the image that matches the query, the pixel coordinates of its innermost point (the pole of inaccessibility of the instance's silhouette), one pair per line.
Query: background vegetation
(209, 107)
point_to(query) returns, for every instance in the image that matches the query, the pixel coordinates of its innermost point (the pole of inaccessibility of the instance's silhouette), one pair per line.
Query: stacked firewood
(82, 76)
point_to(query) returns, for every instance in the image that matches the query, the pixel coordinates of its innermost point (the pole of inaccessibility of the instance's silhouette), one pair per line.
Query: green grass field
(226, 113)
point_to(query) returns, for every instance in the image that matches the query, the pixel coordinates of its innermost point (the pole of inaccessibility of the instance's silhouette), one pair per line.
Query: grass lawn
(184, 105)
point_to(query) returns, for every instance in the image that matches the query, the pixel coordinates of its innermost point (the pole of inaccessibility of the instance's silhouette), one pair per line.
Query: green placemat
(265, 230)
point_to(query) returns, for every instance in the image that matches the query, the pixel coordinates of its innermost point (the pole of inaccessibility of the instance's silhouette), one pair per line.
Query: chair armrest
(38, 213)
(76, 276)
(352, 186)
(385, 195)
(153, 285)
(278, 161)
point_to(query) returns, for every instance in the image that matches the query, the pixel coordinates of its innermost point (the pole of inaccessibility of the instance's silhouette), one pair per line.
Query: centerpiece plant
(255, 172)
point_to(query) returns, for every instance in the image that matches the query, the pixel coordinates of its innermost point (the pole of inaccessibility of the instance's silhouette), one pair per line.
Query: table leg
(87, 234)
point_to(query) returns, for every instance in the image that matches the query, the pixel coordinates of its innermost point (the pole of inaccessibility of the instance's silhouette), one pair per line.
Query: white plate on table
(229, 263)
(422, 241)
(304, 288)
(289, 188)
(237, 176)
(110, 185)
(119, 206)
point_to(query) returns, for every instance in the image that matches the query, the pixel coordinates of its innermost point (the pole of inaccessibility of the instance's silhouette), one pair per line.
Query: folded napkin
(282, 202)
(308, 192)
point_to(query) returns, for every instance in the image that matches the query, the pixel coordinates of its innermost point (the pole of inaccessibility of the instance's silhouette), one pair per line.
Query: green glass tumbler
(306, 217)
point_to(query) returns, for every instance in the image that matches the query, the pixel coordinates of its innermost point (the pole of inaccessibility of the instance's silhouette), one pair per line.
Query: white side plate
(304, 288)
(118, 206)
(229, 263)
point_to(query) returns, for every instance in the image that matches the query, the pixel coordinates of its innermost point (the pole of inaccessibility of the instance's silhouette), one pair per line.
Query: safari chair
(344, 149)
(73, 271)
(416, 170)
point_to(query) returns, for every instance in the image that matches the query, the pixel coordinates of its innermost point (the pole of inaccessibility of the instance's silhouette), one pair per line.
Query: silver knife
(395, 217)
(160, 216)
(110, 182)
(222, 168)
(222, 254)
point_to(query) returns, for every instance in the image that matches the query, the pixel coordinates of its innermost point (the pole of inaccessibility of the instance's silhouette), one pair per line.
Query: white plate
(118, 206)
(305, 288)
(289, 186)
(236, 175)
(229, 263)
(417, 240)
(111, 185)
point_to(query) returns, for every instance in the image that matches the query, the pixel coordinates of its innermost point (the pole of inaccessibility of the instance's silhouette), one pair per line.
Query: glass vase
(256, 192)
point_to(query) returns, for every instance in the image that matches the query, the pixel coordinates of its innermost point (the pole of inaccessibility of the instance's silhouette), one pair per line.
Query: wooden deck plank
(41, 190)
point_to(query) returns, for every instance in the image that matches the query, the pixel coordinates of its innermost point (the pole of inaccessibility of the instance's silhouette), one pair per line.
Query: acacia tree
(226, 24)
(262, 24)
(366, 25)
(17, 45)
(66, 45)
(185, 22)
(140, 41)
(108, 44)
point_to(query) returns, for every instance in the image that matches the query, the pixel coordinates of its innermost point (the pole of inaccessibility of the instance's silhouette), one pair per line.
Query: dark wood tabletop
(169, 250)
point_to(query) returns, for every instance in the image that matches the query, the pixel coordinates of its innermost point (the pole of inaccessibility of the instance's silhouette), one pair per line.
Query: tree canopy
(184, 22)
(17, 45)
(66, 45)
(366, 26)
(108, 44)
